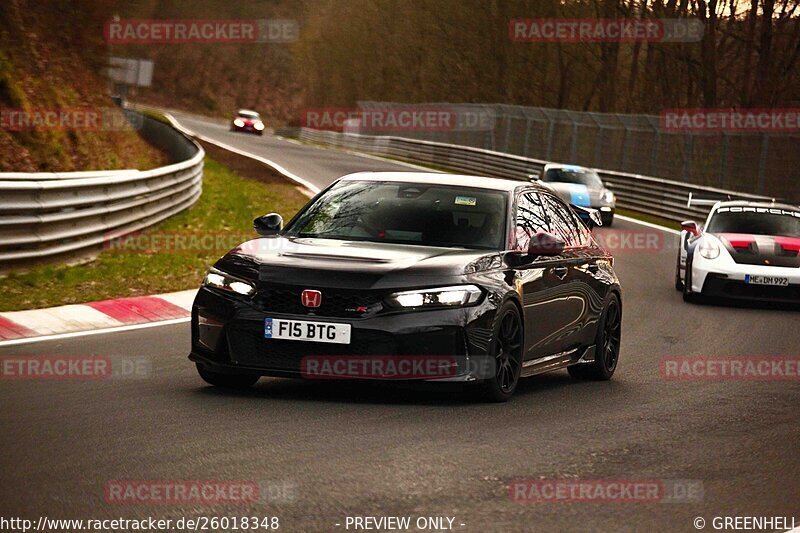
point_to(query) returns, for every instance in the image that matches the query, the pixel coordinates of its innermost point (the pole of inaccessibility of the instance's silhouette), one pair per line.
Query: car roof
(745, 203)
(441, 178)
(248, 111)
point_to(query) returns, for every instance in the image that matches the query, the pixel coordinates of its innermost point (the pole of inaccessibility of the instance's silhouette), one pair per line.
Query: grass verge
(170, 256)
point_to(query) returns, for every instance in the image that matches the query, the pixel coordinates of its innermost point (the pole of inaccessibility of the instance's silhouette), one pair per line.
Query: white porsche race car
(745, 250)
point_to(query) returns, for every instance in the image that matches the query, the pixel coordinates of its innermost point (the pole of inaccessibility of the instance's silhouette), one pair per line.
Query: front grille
(248, 346)
(342, 303)
(718, 286)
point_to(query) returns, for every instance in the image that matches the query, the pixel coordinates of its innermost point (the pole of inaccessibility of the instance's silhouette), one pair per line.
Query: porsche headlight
(259, 126)
(220, 280)
(608, 197)
(455, 296)
(708, 249)
(238, 123)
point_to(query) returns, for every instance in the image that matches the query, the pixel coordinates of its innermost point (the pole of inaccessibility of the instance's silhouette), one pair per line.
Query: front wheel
(688, 295)
(230, 381)
(607, 345)
(506, 351)
(678, 280)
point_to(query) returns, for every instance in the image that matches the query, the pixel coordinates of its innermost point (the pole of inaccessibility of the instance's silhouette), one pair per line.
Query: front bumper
(724, 278)
(246, 129)
(228, 337)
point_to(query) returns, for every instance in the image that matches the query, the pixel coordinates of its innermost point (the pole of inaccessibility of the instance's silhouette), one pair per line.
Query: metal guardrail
(644, 194)
(49, 216)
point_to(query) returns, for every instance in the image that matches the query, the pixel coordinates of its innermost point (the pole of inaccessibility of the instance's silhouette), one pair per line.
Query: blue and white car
(745, 250)
(580, 186)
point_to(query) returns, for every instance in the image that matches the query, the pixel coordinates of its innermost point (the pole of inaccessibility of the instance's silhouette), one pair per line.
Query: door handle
(561, 272)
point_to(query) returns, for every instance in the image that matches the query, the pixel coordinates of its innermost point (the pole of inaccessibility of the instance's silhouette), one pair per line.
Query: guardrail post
(723, 158)
(762, 163)
(687, 157)
(654, 153)
(551, 131)
(573, 150)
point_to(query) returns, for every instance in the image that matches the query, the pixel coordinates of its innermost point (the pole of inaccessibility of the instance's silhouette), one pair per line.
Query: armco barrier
(47, 216)
(645, 194)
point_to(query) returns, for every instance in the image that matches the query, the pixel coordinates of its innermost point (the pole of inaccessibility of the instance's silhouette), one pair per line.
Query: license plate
(304, 330)
(766, 280)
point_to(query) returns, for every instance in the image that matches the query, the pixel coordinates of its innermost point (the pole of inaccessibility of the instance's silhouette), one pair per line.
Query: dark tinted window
(409, 213)
(755, 221)
(564, 223)
(573, 175)
(531, 218)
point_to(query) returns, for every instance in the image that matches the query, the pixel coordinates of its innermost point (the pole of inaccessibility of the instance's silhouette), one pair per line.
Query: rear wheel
(607, 345)
(230, 381)
(506, 350)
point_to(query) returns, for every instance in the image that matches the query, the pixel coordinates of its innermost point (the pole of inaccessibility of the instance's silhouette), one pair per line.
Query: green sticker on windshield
(466, 200)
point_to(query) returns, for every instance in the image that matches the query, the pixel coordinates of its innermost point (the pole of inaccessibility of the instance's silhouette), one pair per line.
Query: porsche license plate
(766, 280)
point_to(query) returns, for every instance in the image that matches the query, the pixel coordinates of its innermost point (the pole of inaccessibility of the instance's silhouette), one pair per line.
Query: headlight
(608, 197)
(220, 280)
(238, 122)
(708, 249)
(440, 297)
(259, 126)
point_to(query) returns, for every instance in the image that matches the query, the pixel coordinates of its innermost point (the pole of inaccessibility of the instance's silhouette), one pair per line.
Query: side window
(531, 218)
(564, 222)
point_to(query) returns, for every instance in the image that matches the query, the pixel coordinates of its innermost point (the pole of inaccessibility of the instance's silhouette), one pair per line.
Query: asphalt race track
(345, 449)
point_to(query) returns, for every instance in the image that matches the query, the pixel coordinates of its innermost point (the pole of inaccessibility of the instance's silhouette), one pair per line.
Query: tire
(688, 295)
(678, 282)
(229, 381)
(505, 346)
(607, 345)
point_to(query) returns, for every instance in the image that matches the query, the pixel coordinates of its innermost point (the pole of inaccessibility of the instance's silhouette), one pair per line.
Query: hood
(345, 264)
(576, 193)
(747, 249)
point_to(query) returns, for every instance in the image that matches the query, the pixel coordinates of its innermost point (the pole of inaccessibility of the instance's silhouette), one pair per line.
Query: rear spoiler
(700, 201)
(709, 201)
(591, 217)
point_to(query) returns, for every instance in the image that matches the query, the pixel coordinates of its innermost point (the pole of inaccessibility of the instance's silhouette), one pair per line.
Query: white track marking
(294, 177)
(61, 336)
(62, 319)
(358, 154)
(648, 224)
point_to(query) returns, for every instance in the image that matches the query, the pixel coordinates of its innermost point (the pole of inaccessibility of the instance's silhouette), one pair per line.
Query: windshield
(408, 213)
(248, 115)
(578, 175)
(767, 222)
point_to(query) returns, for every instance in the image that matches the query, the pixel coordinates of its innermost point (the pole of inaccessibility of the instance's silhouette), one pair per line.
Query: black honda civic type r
(411, 276)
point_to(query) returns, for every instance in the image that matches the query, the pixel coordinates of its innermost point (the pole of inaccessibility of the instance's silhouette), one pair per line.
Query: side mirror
(545, 244)
(268, 224)
(691, 227)
(590, 217)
